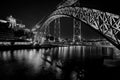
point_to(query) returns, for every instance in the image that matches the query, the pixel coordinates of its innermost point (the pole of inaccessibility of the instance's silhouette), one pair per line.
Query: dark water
(60, 63)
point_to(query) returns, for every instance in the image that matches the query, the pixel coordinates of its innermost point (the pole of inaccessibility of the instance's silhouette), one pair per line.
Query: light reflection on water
(30, 57)
(6, 55)
(56, 59)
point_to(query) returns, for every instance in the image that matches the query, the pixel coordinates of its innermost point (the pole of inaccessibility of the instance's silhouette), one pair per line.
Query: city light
(5, 43)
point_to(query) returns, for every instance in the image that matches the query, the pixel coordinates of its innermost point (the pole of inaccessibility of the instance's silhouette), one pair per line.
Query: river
(60, 63)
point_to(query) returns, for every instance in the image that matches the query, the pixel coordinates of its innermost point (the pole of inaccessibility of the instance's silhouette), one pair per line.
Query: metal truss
(66, 3)
(105, 23)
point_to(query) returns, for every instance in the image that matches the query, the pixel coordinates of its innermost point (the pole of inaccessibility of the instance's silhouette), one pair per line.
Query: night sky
(32, 11)
(29, 11)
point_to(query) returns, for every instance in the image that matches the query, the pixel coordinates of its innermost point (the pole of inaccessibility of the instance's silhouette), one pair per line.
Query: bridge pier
(48, 30)
(76, 31)
(57, 29)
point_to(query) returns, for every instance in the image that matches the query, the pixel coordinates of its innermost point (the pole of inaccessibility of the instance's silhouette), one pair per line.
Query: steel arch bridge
(107, 24)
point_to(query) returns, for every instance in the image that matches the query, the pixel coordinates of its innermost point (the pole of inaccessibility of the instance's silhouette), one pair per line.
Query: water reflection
(32, 58)
(70, 62)
(6, 55)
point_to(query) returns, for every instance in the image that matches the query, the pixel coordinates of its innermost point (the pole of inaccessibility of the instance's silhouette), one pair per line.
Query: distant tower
(76, 31)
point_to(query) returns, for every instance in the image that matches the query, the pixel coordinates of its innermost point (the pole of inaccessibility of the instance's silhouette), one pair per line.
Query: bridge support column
(48, 30)
(76, 31)
(57, 28)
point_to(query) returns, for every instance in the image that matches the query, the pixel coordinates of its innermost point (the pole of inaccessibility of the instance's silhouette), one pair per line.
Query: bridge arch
(107, 24)
(49, 20)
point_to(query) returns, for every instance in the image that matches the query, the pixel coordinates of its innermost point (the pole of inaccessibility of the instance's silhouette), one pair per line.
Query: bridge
(105, 23)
